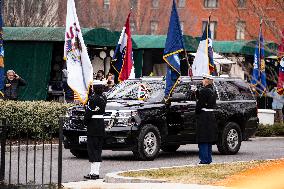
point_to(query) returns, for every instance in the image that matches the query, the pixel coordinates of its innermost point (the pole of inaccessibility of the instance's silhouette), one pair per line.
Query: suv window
(138, 90)
(181, 91)
(233, 90)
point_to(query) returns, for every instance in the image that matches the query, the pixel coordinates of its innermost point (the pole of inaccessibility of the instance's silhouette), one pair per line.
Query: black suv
(137, 119)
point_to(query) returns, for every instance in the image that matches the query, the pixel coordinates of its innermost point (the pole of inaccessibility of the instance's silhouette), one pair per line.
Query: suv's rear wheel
(148, 143)
(170, 148)
(231, 138)
(79, 153)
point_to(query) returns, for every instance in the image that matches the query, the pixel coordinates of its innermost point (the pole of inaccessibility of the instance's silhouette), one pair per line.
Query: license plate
(82, 139)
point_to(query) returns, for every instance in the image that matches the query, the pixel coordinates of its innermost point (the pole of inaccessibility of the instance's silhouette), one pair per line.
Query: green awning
(35, 33)
(101, 37)
(242, 47)
(159, 41)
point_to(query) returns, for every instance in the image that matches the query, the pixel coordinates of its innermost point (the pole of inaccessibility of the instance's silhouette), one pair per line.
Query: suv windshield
(147, 90)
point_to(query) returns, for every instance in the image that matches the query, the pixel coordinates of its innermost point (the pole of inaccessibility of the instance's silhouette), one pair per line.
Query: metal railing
(27, 161)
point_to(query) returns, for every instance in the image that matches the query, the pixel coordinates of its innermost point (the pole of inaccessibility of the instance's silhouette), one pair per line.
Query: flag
(1, 55)
(203, 62)
(280, 82)
(122, 60)
(174, 45)
(258, 80)
(79, 67)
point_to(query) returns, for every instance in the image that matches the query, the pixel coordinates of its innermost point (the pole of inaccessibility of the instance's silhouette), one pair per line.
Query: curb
(98, 184)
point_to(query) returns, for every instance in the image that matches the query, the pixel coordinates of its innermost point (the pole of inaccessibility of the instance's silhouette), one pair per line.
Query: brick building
(230, 20)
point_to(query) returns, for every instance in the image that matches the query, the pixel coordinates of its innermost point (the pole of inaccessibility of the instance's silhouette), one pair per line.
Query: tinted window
(181, 91)
(233, 90)
(138, 90)
(244, 90)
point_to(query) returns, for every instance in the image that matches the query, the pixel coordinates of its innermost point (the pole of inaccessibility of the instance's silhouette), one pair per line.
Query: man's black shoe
(92, 177)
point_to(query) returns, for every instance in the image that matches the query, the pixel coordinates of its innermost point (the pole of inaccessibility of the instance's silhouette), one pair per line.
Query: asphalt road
(74, 169)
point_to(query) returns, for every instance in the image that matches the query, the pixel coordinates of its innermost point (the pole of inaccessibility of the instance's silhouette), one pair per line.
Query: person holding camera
(11, 85)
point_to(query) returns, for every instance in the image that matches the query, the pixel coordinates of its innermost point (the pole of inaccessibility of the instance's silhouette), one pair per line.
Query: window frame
(241, 3)
(156, 27)
(106, 4)
(207, 4)
(155, 4)
(214, 31)
(240, 30)
(181, 3)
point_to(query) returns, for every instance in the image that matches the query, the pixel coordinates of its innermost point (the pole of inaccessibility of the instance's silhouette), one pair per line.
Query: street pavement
(74, 168)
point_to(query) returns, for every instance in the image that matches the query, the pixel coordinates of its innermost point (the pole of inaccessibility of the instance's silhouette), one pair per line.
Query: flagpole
(207, 42)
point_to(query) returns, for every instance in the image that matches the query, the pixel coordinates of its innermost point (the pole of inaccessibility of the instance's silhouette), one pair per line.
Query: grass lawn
(214, 174)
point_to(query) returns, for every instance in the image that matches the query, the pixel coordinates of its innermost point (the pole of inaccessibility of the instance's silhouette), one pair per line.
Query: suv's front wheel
(230, 140)
(148, 143)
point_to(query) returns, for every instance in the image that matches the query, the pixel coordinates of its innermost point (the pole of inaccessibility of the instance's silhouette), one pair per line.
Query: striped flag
(122, 60)
(203, 62)
(280, 83)
(2, 74)
(79, 67)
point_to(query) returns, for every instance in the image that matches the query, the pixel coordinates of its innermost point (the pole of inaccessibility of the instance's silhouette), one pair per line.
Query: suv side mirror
(178, 97)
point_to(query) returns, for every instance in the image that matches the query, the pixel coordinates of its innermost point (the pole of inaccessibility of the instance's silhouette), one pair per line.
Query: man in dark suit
(94, 120)
(206, 122)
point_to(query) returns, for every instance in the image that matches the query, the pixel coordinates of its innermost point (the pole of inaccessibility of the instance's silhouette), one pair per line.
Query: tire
(148, 143)
(79, 153)
(230, 140)
(170, 148)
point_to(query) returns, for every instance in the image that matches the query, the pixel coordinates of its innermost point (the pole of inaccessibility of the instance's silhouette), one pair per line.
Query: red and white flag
(122, 60)
(79, 67)
(280, 83)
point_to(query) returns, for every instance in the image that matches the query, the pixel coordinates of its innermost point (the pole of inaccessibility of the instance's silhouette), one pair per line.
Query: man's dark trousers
(205, 151)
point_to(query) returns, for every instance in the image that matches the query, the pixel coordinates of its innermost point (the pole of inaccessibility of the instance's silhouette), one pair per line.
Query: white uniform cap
(98, 82)
(207, 76)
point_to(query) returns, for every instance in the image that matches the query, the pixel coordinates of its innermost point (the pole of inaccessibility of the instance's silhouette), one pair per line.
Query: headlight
(126, 118)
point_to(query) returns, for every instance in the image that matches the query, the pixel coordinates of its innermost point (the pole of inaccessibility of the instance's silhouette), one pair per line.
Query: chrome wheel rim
(150, 143)
(233, 138)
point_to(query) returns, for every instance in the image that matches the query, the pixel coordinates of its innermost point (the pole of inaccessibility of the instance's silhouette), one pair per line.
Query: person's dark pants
(94, 145)
(205, 153)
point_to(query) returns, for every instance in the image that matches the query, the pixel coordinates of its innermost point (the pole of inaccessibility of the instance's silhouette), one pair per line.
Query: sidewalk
(99, 184)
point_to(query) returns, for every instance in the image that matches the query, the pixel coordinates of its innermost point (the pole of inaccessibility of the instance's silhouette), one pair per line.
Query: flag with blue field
(258, 80)
(1, 55)
(174, 45)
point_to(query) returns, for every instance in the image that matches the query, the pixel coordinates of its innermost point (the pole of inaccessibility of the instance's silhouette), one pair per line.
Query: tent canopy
(243, 47)
(159, 41)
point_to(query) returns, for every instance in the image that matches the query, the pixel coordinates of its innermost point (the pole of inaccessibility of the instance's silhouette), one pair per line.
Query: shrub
(32, 116)
(270, 130)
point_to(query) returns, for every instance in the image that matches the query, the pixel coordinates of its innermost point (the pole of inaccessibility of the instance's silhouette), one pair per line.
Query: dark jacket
(95, 106)
(206, 122)
(11, 93)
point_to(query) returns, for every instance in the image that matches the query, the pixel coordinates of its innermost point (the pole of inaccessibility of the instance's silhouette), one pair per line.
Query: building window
(155, 3)
(182, 27)
(213, 28)
(241, 3)
(240, 33)
(106, 4)
(210, 3)
(106, 25)
(181, 3)
(132, 27)
(154, 27)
